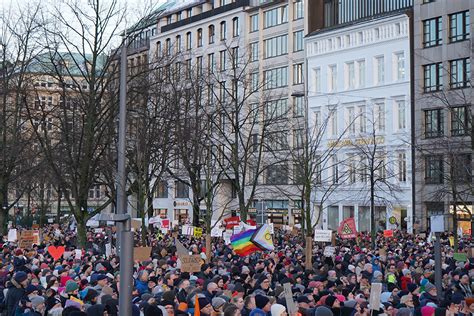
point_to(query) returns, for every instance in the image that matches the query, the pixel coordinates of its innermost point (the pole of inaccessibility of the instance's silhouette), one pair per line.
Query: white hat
(277, 309)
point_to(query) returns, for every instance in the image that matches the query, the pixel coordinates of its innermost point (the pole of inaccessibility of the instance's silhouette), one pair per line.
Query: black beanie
(261, 301)
(203, 302)
(330, 300)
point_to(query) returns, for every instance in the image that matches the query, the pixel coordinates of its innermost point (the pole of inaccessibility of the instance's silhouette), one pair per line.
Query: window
(277, 174)
(460, 73)
(352, 168)
(402, 114)
(459, 26)
(434, 169)
(380, 70)
(362, 119)
(350, 75)
(235, 57)
(298, 41)
(211, 63)
(317, 120)
(158, 49)
(361, 73)
(162, 190)
(399, 66)
(189, 12)
(298, 73)
(298, 109)
(332, 82)
(235, 27)
(276, 109)
(188, 41)
(334, 169)
(459, 121)
(254, 23)
(178, 16)
(199, 38)
(178, 43)
(432, 32)
(222, 60)
(462, 168)
(199, 65)
(350, 120)
(254, 51)
(168, 46)
(254, 81)
(276, 78)
(278, 140)
(433, 76)
(402, 167)
(223, 31)
(380, 108)
(276, 46)
(317, 79)
(275, 16)
(434, 123)
(333, 122)
(298, 138)
(212, 34)
(181, 190)
(298, 10)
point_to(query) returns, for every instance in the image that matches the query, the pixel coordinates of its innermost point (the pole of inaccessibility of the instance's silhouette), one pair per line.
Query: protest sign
(141, 253)
(187, 230)
(12, 235)
(322, 235)
(197, 232)
(190, 263)
(388, 233)
(374, 298)
(28, 238)
(329, 251)
(290, 303)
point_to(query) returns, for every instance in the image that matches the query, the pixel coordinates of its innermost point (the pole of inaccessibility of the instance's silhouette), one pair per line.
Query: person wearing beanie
(218, 306)
(405, 279)
(16, 291)
(205, 306)
(429, 296)
(262, 304)
(278, 310)
(37, 306)
(322, 311)
(427, 311)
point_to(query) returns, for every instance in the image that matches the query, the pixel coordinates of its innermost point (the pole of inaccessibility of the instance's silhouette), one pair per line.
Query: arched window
(158, 49)
(178, 43)
(223, 30)
(235, 27)
(212, 34)
(188, 41)
(168, 47)
(199, 37)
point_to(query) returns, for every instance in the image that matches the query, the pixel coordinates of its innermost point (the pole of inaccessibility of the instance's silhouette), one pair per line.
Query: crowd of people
(33, 283)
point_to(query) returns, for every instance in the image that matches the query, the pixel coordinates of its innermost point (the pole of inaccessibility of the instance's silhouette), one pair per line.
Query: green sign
(460, 256)
(392, 220)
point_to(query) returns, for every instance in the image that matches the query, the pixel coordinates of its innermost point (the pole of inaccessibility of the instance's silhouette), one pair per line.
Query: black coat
(14, 294)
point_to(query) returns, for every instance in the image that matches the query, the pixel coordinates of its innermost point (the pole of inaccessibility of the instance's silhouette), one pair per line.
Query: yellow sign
(197, 232)
(357, 142)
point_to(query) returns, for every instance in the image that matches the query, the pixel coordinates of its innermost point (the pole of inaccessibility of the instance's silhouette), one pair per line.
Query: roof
(49, 63)
(151, 18)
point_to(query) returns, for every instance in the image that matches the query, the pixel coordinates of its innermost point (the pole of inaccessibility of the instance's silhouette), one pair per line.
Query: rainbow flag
(242, 244)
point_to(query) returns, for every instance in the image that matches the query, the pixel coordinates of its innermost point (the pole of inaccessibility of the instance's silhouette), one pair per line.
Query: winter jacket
(14, 294)
(257, 312)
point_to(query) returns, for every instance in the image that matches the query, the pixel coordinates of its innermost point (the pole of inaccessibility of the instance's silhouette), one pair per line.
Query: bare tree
(19, 44)
(82, 121)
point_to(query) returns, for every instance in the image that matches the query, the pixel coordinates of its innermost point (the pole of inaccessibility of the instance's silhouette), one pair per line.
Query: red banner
(347, 229)
(388, 233)
(230, 222)
(251, 222)
(165, 223)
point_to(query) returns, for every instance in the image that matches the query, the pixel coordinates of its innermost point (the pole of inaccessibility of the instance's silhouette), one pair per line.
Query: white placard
(437, 224)
(216, 232)
(374, 298)
(108, 250)
(290, 303)
(12, 235)
(322, 235)
(272, 229)
(329, 251)
(227, 234)
(78, 255)
(187, 230)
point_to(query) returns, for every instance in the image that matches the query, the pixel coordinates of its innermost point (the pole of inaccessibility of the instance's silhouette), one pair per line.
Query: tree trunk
(373, 230)
(58, 209)
(81, 232)
(208, 246)
(309, 252)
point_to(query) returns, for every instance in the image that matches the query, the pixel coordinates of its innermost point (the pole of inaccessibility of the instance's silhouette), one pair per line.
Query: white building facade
(358, 92)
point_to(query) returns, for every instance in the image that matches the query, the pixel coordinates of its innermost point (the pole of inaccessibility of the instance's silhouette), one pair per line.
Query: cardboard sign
(388, 233)
(322, 235)
(374, 299)
(290, 303)
(197, 232)
(329, 251)
(180, 248)
(136, 224)
(78, 254)
(230, 222)
(141, 253)
(28, 238)
(12, 235)
(190, 263)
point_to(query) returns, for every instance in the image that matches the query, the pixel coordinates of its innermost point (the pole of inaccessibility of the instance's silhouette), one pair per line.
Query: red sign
(230, 222)
(388, 233)
(251, 222)
(165, 223)
(347, 229)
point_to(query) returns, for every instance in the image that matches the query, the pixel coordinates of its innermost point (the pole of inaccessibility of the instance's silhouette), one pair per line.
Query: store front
(182, 216)
(464, 212)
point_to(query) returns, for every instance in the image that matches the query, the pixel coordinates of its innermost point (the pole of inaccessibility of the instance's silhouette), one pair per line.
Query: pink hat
(427, 311)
